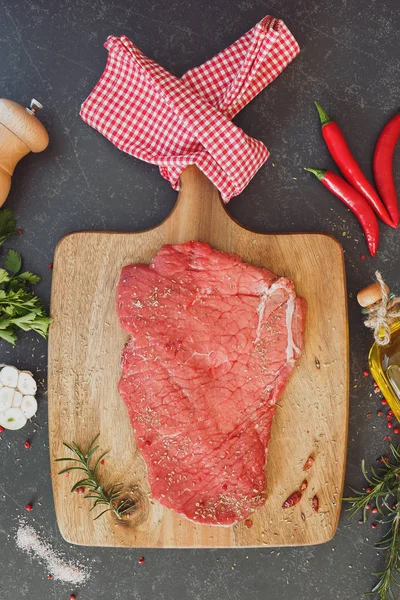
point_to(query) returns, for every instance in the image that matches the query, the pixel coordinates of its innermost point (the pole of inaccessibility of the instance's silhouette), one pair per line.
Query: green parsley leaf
(7, 224)
(4, 276)
(8, 335)
(20, 308)
(13, 262)
(29, 277)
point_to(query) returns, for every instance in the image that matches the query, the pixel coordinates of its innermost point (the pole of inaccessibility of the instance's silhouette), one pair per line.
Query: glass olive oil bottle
(384, 356)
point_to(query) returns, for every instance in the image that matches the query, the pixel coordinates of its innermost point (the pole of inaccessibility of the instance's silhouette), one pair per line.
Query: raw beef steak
(213, 342)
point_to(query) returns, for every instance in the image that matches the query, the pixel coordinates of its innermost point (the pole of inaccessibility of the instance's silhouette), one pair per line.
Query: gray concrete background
(350, 63)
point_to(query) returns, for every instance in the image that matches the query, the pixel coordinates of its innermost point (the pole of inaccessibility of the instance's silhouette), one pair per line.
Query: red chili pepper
(353, 200)
(383, 166)
(292, 500)
(348, 165)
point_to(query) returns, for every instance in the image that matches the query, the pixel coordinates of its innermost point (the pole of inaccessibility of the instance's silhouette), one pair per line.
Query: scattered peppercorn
(368, 490)
(390, 412)
(309, 462)
(1, 428)
(292, 500)
(20, 231)
(387, 438)
(141, 560)
(362, 256)
(379, 413)
(368, 415)
(248, 523)
(29, 507)
(396, 430)
(365, 373)
(50, 266)
(72, 597)
(390, 424)
(368, 506)
(394, 506)
(66, 474)
(374, 510)
(102, 462)
(49, 576)
(384, 402)
(27, 444)
(80, 490)
(373, 525)
(389, 417)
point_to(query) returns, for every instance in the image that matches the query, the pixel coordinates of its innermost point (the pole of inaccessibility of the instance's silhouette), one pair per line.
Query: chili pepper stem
(319, 173)
(323, 117)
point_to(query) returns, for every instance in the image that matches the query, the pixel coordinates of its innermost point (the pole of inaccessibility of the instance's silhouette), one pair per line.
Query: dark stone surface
(350, 62)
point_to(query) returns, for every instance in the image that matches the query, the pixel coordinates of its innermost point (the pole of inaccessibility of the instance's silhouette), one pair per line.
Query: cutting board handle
(198, 209)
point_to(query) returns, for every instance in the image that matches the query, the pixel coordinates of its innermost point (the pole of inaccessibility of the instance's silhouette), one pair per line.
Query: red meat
(212, 343)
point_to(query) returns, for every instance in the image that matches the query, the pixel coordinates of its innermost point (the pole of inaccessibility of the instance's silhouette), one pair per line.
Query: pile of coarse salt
(30, 541)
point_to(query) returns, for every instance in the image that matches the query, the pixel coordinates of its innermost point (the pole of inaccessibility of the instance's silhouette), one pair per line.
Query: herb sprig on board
(384, 492)
(20, 308)
(102, 495)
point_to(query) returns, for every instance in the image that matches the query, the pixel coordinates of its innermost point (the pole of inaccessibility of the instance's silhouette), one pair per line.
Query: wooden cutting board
(84, 368)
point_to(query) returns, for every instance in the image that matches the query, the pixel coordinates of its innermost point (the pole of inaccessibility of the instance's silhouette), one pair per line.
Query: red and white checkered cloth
(148, 112)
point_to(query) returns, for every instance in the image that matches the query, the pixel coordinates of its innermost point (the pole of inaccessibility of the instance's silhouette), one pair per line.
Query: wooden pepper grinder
(20, 133)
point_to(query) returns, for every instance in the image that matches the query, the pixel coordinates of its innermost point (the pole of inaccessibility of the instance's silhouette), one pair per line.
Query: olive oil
(384, 358)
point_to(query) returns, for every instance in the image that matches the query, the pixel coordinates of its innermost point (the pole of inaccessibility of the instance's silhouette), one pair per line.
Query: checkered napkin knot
(149, 113)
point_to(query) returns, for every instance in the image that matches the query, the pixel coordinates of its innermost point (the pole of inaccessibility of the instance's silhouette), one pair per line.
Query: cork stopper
(371, 294)
(23, 123)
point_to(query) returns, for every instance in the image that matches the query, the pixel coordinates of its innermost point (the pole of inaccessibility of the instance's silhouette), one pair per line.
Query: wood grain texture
(84, 368)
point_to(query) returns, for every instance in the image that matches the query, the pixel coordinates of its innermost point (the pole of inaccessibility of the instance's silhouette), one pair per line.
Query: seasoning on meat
(212, 343)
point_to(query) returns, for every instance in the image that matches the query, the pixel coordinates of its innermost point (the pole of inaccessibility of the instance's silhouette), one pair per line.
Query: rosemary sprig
(97, 491)
(384, 492)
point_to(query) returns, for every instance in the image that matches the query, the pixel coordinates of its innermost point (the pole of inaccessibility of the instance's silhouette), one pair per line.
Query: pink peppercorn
(72, 597)
(362, 256)
(248, 523)
(365, 373)
(373, 525)
(27, 444)
(80, 490)
(379, 413)
(141, 560)
(384, 402)
(50, 266)
(368, 506)
(374, 510)
(29, 507)
(396, 430)
(368, 490)
(1, 429)
(368, 415)
(390, 424)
